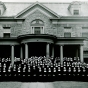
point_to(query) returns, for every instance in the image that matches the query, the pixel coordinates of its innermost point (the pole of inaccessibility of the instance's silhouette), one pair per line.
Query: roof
(13, 8)
(37, 3)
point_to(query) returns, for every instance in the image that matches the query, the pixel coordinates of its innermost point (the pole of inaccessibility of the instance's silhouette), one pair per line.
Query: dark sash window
(67, 34)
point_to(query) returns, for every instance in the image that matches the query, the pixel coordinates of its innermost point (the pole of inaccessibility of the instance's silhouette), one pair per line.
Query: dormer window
(75, 8)
(2, 8)
(76, 12)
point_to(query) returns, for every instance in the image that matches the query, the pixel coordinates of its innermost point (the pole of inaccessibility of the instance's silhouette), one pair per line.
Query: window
(37, 26)
(6, 35)
(84, 34)
(84, 27)
(6, 27)
(76, 12)
(37, 30)
(84, 30)
(86, 52)
(6, 32)
(67, 34)
(67, 27)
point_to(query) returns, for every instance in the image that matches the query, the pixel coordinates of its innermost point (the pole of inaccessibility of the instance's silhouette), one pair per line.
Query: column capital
(12, 45)
(26, 43)
(61, 45)
(48, 43)
(81, 44)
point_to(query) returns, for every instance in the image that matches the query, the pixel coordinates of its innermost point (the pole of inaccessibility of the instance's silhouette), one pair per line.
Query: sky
(42, 0)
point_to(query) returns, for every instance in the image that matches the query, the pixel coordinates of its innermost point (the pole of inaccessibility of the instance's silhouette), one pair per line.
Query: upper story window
(6, 27)
(84, 27)
(67, 29)
(85, 34)
(6, 31)
(67, 34)
(85, 30)
(37, 30)
(76, 12)
(6, 35)
(37, 27)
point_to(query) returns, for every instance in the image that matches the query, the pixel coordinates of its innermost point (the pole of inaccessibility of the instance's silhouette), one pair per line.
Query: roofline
(70, 17)
(61, 17)
(74, 17)
(29, 7)
(84, 2)
(11, 17)
(72, 38)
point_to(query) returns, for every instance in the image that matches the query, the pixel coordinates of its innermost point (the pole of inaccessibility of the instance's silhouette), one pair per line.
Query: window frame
(6, 37)
(32, 29)
(85, 33)
(67, 32)
(76, 12)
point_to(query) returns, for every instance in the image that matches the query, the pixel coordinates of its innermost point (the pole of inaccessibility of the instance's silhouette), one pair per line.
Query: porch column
(12, 54)
(21, 52)
(53, 50)
(47, 50)
(61, 54)
(81, 53)
(26, 50)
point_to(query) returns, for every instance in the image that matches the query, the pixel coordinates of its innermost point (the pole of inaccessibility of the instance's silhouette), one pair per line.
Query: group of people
(43, 66)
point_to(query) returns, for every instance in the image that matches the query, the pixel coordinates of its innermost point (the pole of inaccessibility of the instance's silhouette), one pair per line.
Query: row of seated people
(43, 65)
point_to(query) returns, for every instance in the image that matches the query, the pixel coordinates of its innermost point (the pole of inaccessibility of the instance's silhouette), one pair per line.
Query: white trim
(7, 31)
(67, 30)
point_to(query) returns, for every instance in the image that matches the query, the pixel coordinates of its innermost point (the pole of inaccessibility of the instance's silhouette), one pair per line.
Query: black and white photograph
(43, 44)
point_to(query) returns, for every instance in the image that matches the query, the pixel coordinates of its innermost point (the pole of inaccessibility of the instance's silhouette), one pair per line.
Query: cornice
(10, 18)
(74, 17)
(70, 17)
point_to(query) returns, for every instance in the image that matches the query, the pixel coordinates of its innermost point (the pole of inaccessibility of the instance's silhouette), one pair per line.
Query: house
(44, 29)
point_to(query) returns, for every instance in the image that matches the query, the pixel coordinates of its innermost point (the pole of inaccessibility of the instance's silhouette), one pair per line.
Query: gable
(33, 8)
